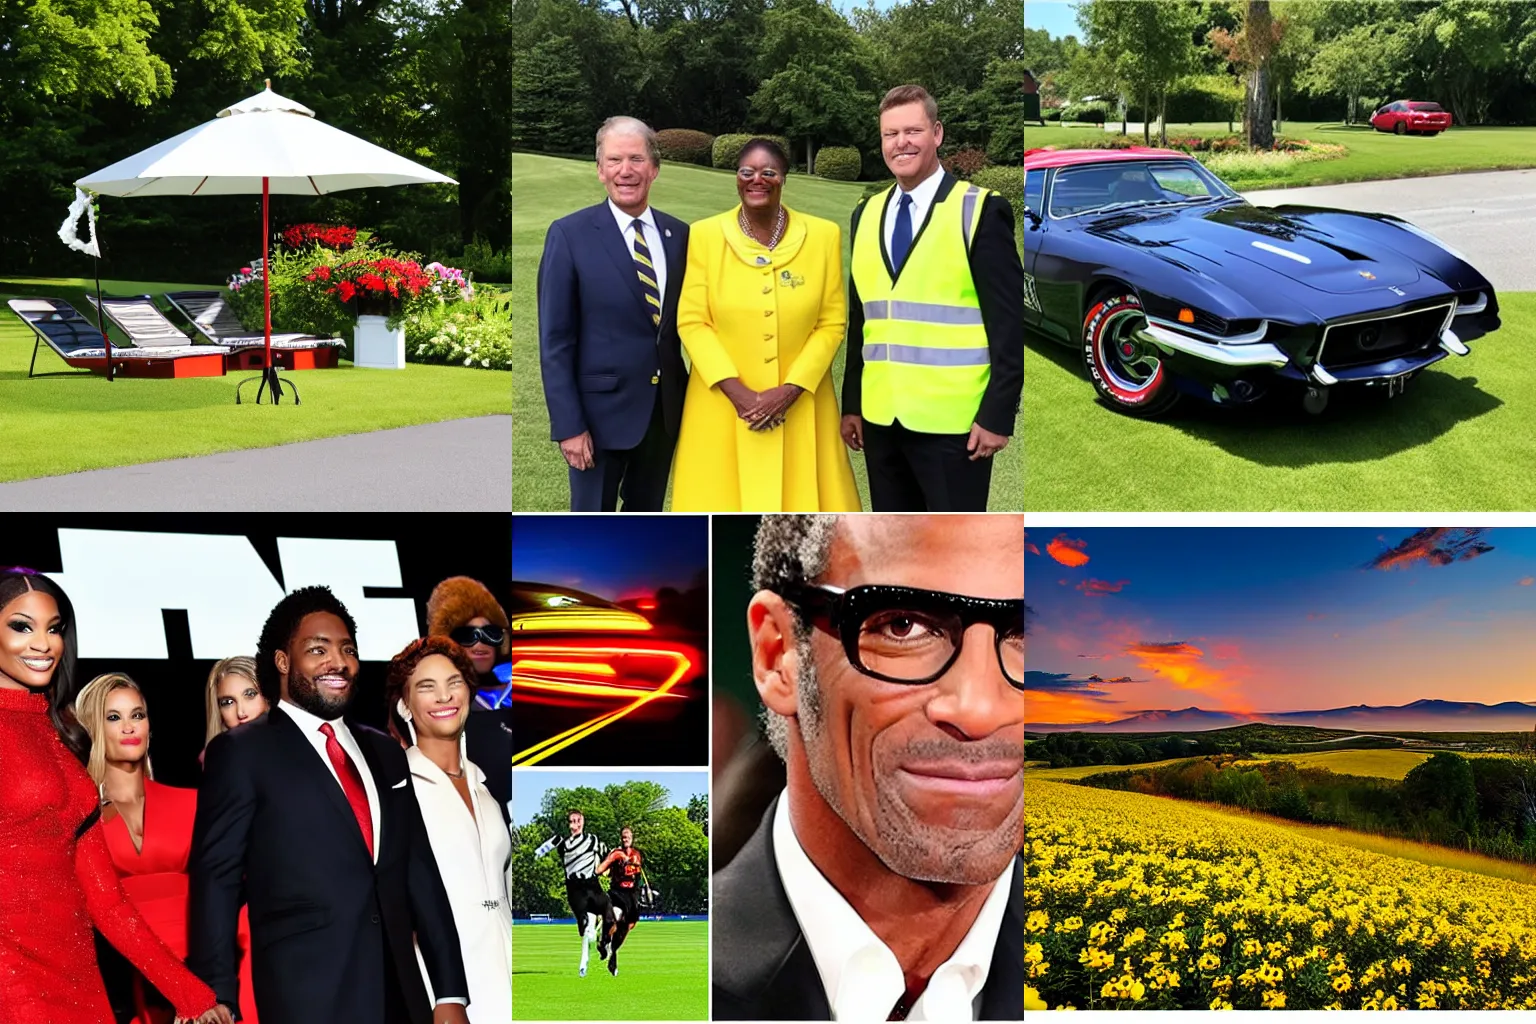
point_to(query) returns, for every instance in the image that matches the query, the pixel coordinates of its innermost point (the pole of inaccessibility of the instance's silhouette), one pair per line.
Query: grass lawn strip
(1453, 441)
(67, 424)
(1373, 155)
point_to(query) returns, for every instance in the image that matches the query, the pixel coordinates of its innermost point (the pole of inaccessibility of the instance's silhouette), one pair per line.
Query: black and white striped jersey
(582, 854)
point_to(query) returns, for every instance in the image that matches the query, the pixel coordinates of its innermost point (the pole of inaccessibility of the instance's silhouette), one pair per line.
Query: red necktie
(351, 784)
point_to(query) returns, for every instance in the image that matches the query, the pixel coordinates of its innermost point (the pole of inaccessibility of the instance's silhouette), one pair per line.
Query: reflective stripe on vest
(921, 312)
(926, 361)
(926, 356)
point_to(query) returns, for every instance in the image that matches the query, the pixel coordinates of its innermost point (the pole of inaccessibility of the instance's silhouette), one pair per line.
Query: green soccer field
(663, 974)
(546, 188)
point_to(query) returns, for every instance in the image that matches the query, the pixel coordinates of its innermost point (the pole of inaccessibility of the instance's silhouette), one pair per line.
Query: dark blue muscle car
(1170, 284)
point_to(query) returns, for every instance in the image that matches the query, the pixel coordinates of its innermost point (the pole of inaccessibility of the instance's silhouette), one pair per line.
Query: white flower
(485, 362)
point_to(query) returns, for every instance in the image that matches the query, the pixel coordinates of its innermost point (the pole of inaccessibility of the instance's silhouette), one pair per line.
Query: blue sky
(614, 557)
(529, 786)
(1055, 16)
(1276, 619)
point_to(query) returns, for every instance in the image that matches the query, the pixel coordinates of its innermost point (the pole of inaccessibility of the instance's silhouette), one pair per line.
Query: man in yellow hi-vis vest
(935, 325)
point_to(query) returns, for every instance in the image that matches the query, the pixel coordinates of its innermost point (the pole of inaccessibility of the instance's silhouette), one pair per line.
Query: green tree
(698, 811)
(1443, 785)
(816, 77)
(1347, 66)
(1149, 45)
(549, 104)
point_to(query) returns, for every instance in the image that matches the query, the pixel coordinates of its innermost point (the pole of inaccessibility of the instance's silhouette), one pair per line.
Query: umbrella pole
(268, 377)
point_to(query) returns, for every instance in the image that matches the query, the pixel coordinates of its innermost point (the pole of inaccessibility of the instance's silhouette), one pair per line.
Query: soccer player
(580, 852)
(623, 867)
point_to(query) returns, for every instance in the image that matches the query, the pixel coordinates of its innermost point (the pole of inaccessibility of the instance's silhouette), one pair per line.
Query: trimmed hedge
(1007, 180)
(685, 146)
(840, 163)
(728, 147)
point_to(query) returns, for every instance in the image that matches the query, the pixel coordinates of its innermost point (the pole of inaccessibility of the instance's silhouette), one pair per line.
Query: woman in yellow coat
(762, 314)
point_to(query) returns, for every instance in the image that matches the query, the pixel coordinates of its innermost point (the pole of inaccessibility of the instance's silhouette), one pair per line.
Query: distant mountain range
(1420, 716)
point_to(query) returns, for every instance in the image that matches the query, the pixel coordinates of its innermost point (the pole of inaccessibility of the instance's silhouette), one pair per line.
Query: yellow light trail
(539, 751)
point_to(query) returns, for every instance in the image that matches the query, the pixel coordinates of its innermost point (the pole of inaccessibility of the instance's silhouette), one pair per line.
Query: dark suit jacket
(598, 347)
(763, 968)
(999, 277)
(330, 930)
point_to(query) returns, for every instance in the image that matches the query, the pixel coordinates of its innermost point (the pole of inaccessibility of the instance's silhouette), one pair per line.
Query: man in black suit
(887, 880)
(935, 363)
(611, 358)
(313, 823)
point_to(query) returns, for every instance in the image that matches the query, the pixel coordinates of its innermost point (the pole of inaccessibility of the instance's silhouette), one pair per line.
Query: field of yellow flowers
(1140, 902)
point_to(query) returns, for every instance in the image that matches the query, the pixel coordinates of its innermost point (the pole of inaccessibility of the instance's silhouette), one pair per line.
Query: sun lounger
(212, 317)
(79, 343)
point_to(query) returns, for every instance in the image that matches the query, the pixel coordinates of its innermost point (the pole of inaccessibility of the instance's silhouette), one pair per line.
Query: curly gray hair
(793, 549)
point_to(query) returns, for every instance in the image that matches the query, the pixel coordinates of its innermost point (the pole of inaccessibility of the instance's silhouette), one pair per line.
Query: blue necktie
(901, 235)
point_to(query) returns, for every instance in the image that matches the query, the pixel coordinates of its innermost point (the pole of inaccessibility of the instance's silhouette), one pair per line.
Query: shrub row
(685, 146)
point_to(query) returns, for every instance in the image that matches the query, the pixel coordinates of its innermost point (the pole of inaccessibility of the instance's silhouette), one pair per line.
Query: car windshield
(1428, 108)
(1122, 185)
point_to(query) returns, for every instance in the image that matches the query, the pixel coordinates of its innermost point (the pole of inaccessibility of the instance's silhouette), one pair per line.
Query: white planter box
(377, 347)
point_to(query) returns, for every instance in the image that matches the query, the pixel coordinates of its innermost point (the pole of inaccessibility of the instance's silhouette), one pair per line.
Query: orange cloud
(1184, 665)
(1439, 545)
(1098, 588)
(1065, 708)
(1527, 581)
(1068, 552)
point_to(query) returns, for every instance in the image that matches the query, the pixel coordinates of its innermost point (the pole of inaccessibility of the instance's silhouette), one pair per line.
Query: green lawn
(67, 424)
(1372, 155)
(1459, 438)
(663, 974)
(547, 188)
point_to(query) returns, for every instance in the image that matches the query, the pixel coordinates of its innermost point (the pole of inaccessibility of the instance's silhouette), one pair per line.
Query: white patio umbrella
(265, 144)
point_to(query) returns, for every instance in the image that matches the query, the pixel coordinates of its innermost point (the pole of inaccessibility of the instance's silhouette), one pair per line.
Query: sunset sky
(1264, 620)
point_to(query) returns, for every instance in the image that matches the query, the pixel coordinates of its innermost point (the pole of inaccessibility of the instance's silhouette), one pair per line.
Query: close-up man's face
(931, 775)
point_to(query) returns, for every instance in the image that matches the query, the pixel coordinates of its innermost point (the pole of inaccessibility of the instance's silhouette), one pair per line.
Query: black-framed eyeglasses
(468, 636)
(908, 635)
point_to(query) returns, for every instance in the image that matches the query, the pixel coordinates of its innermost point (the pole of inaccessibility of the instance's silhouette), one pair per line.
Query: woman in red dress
(56, 874)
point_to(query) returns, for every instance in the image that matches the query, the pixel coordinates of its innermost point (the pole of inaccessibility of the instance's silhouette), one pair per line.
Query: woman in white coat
(429, 689)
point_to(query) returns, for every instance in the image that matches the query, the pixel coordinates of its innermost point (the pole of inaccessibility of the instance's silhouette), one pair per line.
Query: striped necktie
(647, 271)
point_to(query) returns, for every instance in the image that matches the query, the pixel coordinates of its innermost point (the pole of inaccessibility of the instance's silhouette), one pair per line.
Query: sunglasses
(908, 635)
(468, 636)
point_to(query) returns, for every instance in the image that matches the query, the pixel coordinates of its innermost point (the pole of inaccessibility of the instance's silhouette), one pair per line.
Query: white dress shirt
(652, 242)
(922, 199)
(309, 725)
(861, 976)
(473, 851)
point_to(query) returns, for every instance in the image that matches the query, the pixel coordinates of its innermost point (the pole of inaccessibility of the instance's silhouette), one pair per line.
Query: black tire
(1398, 129)
(1128, 377)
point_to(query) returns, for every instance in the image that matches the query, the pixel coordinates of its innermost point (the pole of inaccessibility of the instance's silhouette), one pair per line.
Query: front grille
(1363, 342)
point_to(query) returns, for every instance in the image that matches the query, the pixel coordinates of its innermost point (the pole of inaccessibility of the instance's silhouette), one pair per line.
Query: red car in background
(1411, 117)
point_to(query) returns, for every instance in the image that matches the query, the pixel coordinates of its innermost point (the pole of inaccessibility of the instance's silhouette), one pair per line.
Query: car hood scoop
(1304, 247)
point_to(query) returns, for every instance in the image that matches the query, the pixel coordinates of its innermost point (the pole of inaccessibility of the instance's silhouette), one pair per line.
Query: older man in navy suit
(608, 347)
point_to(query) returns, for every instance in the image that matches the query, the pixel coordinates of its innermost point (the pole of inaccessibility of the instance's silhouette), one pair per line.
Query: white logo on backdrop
(120, 581)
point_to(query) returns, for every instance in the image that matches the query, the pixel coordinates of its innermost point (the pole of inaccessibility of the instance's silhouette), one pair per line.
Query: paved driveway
(453, 466)
(1490, 216)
